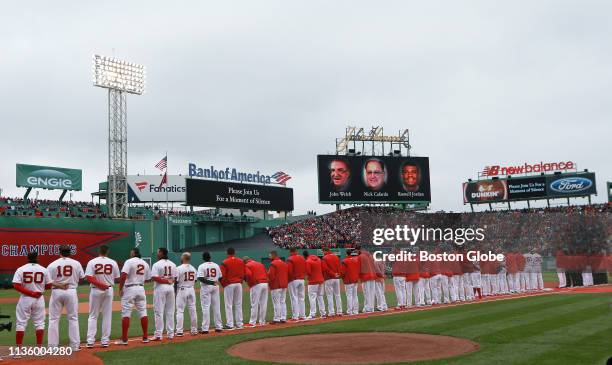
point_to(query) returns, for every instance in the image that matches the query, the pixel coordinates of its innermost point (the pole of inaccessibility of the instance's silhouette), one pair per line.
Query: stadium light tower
(119, 77)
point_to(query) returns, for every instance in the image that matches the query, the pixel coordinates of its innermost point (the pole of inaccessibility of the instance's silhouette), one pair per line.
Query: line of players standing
(299, 276)
(423, 283)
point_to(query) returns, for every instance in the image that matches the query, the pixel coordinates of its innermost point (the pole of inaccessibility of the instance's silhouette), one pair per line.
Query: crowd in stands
(49, 208)
(19, 207)
(586, 227)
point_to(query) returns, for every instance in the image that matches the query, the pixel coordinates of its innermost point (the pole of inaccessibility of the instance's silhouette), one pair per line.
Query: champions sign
(47, 177)
(15, 243)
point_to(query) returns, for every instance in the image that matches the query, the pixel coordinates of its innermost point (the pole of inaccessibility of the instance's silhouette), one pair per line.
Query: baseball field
(568, 327)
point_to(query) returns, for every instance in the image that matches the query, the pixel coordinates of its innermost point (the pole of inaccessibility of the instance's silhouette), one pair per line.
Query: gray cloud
(271, 84)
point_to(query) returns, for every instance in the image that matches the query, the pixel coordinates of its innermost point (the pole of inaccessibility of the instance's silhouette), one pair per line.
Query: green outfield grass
(559, 329)
(550, 329)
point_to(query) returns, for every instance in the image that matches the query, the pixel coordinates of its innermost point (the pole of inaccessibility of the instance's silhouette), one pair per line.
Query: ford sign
(571, 185)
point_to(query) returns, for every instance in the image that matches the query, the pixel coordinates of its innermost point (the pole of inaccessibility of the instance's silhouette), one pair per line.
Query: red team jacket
(511, 264)
(350, 270)
(314, 270)
(278, 274)
(297, 267)
(520, 261)
(331, 266)
(255, 273)
(399, 268)
(367, 271)
(412, 270)
(232, 271)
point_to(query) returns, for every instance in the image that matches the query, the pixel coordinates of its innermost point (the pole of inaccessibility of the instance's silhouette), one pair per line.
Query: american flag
(163, 163)
(281, 177)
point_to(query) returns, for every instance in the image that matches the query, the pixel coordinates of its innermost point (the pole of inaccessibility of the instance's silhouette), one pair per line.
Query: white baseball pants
(232, 294)
(259, 303)
(315, 295)
(279, 301)
(332, 290)
(209, 298)
(399, 283)
(28, 307)
(64, 299)
(369, 292)
(185, 297)
(163, 306)
(100, 302)
(296, 291)
(352, 300)
(381, 300)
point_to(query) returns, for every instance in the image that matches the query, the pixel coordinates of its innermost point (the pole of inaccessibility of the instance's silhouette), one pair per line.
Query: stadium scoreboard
(211, 193)
(373, 179)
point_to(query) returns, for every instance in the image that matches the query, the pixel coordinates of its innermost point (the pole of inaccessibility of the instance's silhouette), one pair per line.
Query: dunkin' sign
(485, 191)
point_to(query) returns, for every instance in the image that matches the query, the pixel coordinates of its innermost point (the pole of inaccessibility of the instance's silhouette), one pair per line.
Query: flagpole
(167, 212)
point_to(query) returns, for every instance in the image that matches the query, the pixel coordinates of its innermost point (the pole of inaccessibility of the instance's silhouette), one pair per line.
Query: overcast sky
(268, 85)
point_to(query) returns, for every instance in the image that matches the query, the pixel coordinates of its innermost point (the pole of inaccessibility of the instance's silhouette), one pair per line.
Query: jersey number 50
(33, 277)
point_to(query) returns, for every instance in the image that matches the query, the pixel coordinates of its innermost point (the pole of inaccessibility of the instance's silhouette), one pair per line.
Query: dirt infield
(352, 348)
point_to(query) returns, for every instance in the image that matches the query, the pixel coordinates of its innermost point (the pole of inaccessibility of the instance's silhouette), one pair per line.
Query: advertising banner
(524, 188)
(48, 177)
(210, 193)
(148, 188)
(368, 179)
(527, 188)
(560, 186)
(485, 191)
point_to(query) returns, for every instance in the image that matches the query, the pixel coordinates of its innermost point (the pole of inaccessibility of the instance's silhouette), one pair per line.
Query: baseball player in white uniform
(101, 273)
(69, 272)
(31, 280)
(164, 275)
(185, 296)
(209, 275)
(134, 273)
